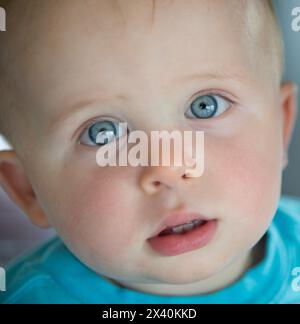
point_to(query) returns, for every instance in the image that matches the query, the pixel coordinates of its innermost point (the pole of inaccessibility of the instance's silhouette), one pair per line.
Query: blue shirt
(51, 274)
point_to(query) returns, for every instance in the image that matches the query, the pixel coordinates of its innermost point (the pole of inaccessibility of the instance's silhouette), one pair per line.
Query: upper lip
(172, 219)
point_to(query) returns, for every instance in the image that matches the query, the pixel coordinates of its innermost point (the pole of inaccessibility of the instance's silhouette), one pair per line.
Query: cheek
(246, 170)
(97, 218)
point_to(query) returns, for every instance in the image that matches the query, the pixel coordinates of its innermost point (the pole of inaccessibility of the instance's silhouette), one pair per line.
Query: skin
(88, 51)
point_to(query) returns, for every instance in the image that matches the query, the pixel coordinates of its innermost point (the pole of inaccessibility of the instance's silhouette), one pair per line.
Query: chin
(185, 277)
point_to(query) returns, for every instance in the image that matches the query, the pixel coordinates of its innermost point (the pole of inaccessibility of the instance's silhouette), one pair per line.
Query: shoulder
(288, 216)
(290, 203)
(29, 279)
(285, 229)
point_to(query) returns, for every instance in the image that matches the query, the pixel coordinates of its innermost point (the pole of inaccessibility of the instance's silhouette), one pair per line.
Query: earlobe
(14, 181)
(289, 111)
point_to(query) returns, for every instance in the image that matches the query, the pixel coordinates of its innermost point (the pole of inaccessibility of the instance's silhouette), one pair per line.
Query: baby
(71, 70)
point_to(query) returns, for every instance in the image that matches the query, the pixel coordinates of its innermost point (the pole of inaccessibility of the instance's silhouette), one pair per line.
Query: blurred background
(17, 235)
(291, 177)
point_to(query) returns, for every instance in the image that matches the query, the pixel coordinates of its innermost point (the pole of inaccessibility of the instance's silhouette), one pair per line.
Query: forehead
(74, 46)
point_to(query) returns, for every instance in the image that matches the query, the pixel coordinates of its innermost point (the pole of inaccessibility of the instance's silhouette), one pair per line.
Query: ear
(15, 183)
(289, 110)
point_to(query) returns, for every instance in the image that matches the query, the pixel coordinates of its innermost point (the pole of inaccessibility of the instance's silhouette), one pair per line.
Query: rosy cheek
(99, 215)
(248, 172)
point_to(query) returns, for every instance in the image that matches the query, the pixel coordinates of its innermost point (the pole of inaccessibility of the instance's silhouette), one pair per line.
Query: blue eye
(208, 106)
(101, 133)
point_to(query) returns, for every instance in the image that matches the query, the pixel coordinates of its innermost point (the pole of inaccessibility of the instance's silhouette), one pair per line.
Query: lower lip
(175, 244)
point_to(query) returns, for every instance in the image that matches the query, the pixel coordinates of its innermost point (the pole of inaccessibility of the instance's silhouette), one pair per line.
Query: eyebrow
(211, 76)
(77, 107)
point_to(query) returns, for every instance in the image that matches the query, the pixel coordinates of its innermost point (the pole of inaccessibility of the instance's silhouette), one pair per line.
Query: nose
(160, 177)
(156, 178)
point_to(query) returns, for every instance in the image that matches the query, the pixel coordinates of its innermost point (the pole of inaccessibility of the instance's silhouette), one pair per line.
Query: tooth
(198, 222)
(183, 228)
(177, 229)
(188, 227)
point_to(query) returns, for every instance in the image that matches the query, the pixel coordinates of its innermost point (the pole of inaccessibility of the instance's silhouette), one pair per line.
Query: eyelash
(221, 94)
(90, 122)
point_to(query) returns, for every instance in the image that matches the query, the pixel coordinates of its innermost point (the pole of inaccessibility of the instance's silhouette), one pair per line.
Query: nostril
(156, 183)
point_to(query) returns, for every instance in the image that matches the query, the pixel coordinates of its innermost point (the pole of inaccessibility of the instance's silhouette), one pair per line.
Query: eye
(102, 133)
(208, 106)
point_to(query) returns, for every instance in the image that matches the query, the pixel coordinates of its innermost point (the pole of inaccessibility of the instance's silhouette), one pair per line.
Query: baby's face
(146, 70)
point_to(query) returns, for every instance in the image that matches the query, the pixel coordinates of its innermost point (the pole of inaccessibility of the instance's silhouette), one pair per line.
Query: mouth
(183, 237)
(183, 228)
